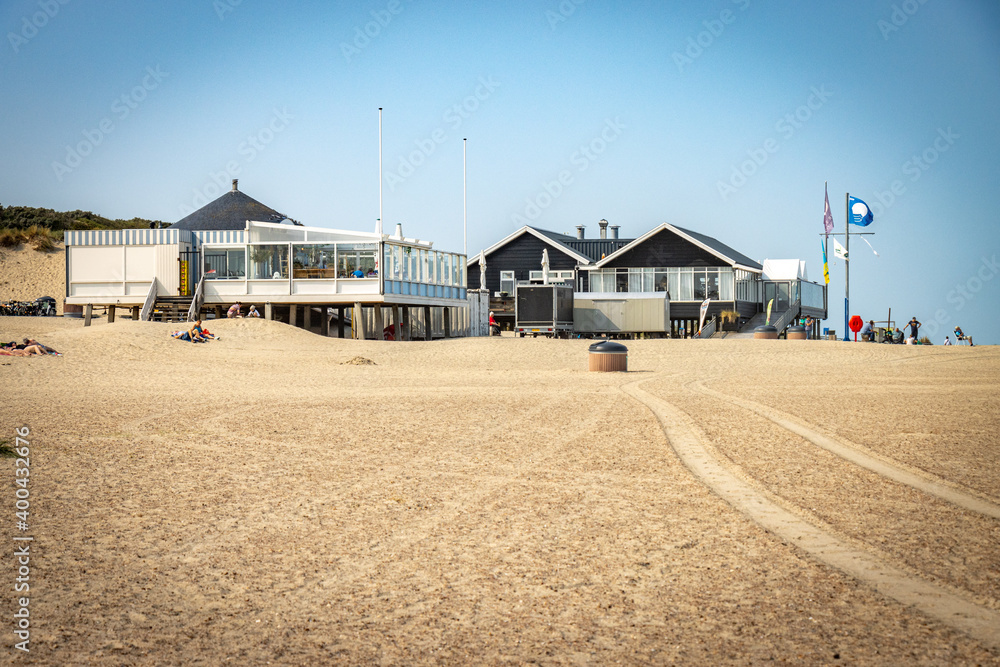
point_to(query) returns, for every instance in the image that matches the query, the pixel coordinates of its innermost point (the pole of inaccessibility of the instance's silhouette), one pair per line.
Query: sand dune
(478, 501)
(26, 274)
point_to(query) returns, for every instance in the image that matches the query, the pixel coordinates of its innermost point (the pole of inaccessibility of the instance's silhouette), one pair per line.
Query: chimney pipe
(579, 231)
(399, 230)
(235, 181)
(614, 232)
(604, 228)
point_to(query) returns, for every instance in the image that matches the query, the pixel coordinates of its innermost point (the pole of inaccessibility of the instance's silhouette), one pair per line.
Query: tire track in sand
(854, 453)
(684, 436)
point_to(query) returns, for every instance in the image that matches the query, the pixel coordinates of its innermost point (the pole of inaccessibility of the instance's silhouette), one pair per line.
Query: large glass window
(687, 286)
(314, 260)
(356, 260)
(225, 263)
(269, 261)
(726, 284)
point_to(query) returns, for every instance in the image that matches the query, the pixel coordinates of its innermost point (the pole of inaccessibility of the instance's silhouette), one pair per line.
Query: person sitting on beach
(234, 310)
(960, 335)
(253, 311)
(196, 333)
(868, 331)
(947, 340)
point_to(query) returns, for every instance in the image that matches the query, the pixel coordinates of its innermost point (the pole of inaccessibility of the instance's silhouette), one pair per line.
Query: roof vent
(579, 231)
(614, 232)
(399, 230)
(235, 181)
(604, 228)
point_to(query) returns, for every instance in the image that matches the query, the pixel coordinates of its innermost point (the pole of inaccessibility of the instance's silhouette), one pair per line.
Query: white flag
(839, 250)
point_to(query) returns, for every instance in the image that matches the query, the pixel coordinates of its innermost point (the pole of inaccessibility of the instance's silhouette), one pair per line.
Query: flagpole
(465, 204)
(847, 261)
(378, 229)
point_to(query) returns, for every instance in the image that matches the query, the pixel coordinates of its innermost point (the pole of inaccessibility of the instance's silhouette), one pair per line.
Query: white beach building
(235, 249)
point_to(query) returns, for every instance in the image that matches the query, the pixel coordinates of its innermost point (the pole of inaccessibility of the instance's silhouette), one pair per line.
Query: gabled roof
(550, 238)
(714, 246)
(230, 211)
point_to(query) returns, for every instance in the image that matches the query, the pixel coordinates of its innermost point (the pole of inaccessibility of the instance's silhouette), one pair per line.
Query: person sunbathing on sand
(14, 350)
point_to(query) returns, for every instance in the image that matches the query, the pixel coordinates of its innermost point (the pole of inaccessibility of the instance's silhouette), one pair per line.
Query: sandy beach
(260, 499)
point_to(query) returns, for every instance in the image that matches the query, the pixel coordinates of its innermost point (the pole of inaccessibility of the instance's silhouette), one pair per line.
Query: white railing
(197, 300)
(786, 318)
(708, 330)
(147, 306)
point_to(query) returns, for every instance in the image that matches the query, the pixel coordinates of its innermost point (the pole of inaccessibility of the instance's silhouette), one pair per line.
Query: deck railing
(788, 316)
(197, 301)
(147, 306)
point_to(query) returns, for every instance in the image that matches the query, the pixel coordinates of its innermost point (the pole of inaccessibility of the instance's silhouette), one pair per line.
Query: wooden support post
(379, 323)
(307, 317)
(407, 333)
(340, 321)
(88, 312)
(111, 314)
(446, 312)
(396, 323)
(324, 321)
(268, 311)
(358, 322)
(428, 330)
(218, 312)
(292, 314)
(135, 313)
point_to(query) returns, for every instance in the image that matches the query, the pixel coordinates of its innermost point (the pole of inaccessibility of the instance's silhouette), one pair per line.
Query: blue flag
(861, 215)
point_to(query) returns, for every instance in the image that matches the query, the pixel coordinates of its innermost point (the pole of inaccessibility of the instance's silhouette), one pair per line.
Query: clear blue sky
(674, 99)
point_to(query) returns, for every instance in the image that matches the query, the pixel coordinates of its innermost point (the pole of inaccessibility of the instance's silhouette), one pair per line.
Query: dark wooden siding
(522, 255)
(666, 249)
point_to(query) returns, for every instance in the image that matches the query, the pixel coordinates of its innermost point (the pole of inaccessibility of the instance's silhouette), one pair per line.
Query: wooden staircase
(170, 308)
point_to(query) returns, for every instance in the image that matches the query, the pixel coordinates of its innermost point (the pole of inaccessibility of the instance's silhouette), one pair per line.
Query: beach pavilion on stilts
(235, 249)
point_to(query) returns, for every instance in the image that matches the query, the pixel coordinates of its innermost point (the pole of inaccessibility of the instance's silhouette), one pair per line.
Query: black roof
(595, 249)
(721, 248)
(230, 211)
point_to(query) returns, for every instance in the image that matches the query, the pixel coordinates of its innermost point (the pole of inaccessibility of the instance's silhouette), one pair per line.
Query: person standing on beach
(914, 326)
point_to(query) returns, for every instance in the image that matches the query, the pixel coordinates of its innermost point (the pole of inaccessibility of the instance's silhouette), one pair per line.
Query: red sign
(856, 323)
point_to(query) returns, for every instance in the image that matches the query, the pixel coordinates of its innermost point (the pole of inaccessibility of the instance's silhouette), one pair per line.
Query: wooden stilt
(307, 317)
(324, 321)
(340, 321)
(111, 314)
(135, 313)
(88, 312)
(292, 314)
(218, 312)
(268, 311)
(447, 321)
(358, 322)
(379, 323)
(428, 330)
(397, 323)
(407, 333)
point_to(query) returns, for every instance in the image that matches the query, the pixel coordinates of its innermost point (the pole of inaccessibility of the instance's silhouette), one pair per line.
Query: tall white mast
(378, 227)
(465, 201)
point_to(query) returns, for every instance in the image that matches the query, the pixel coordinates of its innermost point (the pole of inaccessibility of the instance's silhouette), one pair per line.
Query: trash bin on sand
(766, 332)
(608, 356)
(796, 333)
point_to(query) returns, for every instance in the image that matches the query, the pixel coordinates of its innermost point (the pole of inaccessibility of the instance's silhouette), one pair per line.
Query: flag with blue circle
(861, 215)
